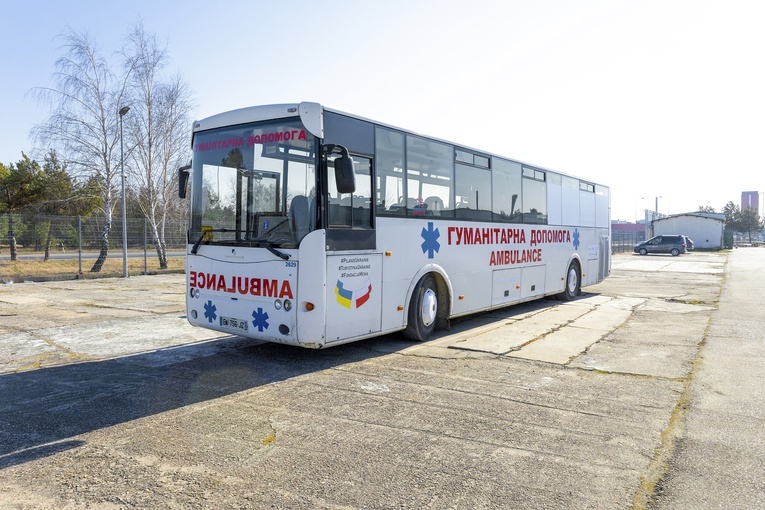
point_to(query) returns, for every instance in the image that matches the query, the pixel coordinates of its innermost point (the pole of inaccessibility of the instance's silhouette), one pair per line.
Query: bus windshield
(254, 184)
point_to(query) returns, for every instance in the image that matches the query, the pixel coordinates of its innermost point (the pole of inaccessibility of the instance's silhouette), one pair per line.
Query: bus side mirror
(345, 177)
(183, 180)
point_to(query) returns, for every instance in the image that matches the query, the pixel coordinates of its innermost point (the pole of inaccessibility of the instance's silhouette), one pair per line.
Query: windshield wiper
(277, 252)
(197, 243)
(261, 241)
(202, 238)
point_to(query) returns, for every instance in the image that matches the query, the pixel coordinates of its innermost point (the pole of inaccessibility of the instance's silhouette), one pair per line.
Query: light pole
(122, 113)
(636, 208)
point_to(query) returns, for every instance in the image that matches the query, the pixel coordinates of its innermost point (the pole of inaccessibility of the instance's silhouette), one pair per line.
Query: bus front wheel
(573, 283)
(423, 310)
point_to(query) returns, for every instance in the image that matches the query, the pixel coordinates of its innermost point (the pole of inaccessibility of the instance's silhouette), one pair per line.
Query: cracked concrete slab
(564, 344)
(157, 418)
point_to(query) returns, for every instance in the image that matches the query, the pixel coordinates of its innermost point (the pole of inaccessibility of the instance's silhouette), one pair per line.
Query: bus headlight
(287, 305)
(278, 304)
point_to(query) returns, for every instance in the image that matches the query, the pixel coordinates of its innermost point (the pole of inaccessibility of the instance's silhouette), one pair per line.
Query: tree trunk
(48, 241)
(160, 244)
(104, 246)
(162, 254)
(11, 238)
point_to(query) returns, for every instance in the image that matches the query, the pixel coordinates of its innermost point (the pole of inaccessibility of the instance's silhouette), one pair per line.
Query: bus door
(354, 270)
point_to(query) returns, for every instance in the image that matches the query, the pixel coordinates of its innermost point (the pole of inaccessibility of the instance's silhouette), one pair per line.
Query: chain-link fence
(75, 243)
(624, 241)
(67, 233)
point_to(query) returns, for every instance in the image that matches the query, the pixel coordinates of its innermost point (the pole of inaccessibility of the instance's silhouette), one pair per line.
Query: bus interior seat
(398, 208)
(299, 216)
(435, 204)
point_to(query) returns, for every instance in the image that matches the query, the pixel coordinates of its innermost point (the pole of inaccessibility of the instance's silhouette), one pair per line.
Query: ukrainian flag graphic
(353, 298)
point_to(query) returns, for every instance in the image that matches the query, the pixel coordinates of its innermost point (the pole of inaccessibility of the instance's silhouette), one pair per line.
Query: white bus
(313, 227)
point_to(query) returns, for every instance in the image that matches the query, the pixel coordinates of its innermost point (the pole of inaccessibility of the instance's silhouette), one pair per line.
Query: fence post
(79, 245)
(145, 263)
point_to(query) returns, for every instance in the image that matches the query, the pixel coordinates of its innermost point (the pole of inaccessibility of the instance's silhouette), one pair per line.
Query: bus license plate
(231, 323)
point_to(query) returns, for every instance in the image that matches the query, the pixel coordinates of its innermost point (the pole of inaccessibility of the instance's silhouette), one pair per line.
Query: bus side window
(430, 173)
(361, 201)
(507, 201)
(353, 209)
(473, 190)
(534, 196)
(389, 171)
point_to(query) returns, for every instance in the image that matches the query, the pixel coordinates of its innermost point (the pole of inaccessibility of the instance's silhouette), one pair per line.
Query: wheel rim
(573, 281)
(429, 307)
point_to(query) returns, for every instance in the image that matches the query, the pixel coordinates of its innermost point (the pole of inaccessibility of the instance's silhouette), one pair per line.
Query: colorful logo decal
(210, 309)
(353, 298)
(430, 243)
(576, 238)
(261, 319)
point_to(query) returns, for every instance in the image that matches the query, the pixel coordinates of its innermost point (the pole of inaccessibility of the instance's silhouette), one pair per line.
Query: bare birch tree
(159, 131)
(83, 121)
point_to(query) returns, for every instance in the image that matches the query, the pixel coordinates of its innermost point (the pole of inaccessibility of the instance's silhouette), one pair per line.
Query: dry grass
(22, 270)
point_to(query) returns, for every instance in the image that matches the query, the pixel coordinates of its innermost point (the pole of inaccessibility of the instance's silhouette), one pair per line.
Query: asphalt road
(644, 392)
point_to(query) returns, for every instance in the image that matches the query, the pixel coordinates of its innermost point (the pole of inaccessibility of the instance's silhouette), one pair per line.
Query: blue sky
(654, 98)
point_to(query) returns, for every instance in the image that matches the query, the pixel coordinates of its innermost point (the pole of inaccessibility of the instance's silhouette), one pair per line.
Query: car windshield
(254, 184)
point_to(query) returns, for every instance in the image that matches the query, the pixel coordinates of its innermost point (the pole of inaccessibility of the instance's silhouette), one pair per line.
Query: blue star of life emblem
(430, 243)
(210, 309)
(576, 239)
(261, 319)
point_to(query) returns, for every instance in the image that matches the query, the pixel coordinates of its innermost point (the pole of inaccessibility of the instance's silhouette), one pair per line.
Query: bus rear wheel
(423, 310)
(573, 283)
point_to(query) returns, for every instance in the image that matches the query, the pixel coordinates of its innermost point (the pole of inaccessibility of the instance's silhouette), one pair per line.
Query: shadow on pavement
(42, 410)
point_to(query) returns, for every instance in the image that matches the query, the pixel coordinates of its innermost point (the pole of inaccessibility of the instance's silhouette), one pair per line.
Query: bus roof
(307, 109)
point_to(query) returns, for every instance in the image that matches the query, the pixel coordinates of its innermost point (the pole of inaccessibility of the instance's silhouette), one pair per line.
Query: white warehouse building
(705, 229)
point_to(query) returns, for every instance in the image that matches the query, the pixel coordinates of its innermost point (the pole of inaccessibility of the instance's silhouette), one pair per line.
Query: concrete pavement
(719, 455)
(109, 399)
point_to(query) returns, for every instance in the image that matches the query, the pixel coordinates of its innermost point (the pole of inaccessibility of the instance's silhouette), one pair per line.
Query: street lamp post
(636, 208)
(122, 113)
(655, 213)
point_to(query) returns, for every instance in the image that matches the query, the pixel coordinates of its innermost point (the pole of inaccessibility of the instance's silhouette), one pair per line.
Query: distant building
(750, 199)
(705, 229)
(626, 226)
